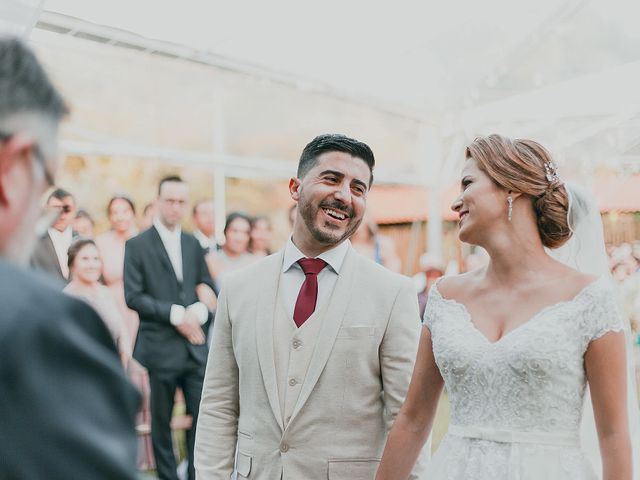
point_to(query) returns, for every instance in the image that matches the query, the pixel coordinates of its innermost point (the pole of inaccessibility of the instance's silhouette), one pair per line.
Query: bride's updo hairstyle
(526, 166)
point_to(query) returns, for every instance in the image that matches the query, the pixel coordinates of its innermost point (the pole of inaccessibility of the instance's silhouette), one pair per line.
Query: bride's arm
(415, 419)
(605, 363)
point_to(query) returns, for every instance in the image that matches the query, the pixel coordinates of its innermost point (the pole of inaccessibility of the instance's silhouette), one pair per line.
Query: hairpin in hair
(551, 171)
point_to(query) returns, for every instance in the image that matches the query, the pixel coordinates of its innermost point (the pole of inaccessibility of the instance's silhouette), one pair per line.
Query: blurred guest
(204, 223)
(627, 279)
(635, 252)
(260, 242)
(83, 224)
(85, 269)
(66, 407)
(121, 213)
(50, 252)
(368, 242)
(620, 254)
(148, 215)
(432, 268)
(234, 253)
(162, 268)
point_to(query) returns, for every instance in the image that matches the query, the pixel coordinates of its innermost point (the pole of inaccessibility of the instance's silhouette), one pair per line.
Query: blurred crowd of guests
(624, 261)
(92, 267)
(625, 268)
(246, 239)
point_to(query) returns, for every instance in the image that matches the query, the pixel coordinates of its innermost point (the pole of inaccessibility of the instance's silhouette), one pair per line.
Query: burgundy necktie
(308, 296)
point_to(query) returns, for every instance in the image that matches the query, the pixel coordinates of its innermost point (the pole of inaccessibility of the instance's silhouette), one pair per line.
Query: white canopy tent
(458, 67)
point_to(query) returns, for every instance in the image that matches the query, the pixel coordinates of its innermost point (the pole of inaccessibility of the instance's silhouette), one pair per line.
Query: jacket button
(293, 382)
(297, 344)
(284, 448)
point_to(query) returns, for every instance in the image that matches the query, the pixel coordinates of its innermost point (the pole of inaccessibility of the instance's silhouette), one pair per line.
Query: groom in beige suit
(313, 347)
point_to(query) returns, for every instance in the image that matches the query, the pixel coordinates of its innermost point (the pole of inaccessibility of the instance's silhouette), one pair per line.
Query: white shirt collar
(64, 236)
(334, 257)
(164, 232)
(205, 241)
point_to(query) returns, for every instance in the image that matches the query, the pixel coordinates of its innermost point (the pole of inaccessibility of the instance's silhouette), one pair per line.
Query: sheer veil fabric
(586, 252)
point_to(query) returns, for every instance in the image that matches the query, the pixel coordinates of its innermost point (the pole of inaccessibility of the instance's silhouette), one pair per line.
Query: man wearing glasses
(66, 408)
(50, 252)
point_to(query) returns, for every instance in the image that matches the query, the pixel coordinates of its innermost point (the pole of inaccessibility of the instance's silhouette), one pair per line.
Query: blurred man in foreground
(66, 408)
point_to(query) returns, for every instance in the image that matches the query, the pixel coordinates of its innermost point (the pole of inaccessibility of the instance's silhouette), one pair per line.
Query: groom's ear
(294, 188)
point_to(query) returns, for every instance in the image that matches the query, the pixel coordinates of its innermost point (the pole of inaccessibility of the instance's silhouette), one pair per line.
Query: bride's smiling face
(481, 204)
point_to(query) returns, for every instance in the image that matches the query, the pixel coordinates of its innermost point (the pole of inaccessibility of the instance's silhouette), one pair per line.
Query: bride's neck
(515, 257)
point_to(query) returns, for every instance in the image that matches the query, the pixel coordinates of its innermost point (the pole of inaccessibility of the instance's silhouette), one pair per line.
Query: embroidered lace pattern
(531, 380)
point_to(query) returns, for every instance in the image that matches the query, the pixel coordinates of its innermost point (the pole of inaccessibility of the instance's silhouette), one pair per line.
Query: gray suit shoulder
(379, 274)
(31, 298)
(248, 273)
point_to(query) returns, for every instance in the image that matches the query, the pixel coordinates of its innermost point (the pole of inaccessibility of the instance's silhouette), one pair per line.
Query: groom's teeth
(333, 213)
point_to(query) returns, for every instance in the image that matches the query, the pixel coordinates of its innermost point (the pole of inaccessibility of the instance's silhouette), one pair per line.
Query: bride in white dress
(516, 343)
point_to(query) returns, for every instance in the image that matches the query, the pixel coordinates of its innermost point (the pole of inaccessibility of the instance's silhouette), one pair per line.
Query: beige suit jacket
(354, 387)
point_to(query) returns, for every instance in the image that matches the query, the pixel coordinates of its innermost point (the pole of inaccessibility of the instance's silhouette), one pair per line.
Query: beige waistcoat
(292, 350)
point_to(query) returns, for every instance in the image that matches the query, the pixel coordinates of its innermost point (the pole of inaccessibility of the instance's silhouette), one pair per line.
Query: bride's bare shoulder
(452, 286)
(573, 279)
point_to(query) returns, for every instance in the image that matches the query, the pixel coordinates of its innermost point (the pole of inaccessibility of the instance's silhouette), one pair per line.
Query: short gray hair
(24, 85)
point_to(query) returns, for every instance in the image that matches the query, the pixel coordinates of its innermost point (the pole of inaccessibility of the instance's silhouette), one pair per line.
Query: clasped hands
(191, 326)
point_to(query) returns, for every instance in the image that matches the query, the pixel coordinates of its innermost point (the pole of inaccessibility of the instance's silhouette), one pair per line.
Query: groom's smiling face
(331, 198)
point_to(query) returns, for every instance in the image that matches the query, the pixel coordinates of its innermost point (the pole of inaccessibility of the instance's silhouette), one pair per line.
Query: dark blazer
(151, 287)
(67, 409)
(44, 257)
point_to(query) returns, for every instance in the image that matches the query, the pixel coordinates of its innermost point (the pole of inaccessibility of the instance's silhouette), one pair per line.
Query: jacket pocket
(353, 468)
(243, 464)
(357, 332)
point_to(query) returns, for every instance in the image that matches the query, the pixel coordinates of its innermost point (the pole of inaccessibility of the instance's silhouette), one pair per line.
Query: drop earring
(510, 211)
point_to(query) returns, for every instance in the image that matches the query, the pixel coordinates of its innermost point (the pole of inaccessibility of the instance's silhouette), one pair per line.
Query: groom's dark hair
(334, 142)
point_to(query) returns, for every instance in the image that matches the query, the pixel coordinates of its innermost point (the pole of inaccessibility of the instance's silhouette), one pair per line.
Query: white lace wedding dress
(516, 404)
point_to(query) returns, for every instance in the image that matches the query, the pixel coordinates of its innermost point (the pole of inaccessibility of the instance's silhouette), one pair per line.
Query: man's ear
(294, 188)
(13, 152)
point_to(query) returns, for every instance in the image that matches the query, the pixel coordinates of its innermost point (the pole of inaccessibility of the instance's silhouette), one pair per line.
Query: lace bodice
(533, 378)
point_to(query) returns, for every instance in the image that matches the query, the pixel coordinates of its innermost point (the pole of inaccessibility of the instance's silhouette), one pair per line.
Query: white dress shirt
(61, 243)
(171, 239)
(207, 243)
(293, 276)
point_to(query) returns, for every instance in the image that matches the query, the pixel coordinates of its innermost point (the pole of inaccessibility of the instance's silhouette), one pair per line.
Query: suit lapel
(186, 256)
(264, 332)
(163, 255)
(51, 253)
(338, 302)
